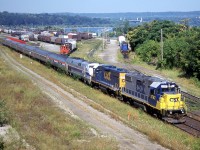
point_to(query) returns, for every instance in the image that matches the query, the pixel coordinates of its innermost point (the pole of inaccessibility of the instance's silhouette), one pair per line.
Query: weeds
(2, 143)
(4, 114)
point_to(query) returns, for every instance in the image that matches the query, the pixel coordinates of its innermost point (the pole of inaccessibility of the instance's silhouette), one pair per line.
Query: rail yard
(191, 121)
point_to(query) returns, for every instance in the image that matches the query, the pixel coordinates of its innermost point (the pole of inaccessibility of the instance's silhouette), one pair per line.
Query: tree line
(15, 19)
(181, 45)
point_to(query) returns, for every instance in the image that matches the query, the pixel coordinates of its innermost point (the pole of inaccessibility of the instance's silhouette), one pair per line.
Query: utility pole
(88, 32)
(161, 44)
(103, 38)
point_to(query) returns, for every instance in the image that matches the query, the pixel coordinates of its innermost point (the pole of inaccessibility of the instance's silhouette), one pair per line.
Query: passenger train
(156, 96)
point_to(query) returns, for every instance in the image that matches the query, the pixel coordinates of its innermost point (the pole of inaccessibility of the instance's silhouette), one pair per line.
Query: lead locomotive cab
(169, 101)
(157, 96)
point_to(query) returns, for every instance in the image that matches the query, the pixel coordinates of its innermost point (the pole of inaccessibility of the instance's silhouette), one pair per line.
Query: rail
(190, 97)
(192, 124)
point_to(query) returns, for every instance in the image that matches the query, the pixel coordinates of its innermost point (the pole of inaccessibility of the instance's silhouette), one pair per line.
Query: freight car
(155, 95)
(121, 39)
(60, 41)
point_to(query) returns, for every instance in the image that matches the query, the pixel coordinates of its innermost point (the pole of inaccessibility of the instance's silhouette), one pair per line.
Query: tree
(149, 51)
(48, 19)
(191, 57)
(173, 52)
(126, 27)
(151, 31)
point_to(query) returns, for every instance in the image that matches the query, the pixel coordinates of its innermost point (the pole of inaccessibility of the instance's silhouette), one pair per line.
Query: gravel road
(109, 55)
(106, 126)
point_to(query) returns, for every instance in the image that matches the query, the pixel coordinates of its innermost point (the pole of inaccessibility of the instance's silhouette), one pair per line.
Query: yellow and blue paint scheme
(110, 77)
(159, 96)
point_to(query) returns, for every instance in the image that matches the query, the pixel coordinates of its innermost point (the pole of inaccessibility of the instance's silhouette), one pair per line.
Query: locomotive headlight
(174, 99)
(170, 112)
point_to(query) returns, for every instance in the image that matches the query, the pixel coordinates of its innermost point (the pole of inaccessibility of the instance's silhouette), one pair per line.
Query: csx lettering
(107, 75)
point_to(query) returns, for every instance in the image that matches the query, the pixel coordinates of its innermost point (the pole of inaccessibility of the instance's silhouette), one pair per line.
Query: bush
(2, 144)
(4, 119)
(149, 51)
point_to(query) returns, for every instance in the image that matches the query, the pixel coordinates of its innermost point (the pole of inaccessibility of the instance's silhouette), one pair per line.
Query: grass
(84, 47)
(38, 121)
(164, 134)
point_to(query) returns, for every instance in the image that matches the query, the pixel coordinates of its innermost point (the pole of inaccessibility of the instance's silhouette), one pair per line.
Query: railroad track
(192, 124)
(191, 97)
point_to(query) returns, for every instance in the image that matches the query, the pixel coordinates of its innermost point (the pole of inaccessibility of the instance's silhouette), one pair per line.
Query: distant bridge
(89, 29)
(137, 20)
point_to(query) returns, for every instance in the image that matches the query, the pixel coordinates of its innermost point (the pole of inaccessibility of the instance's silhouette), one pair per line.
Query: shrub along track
(127, 137)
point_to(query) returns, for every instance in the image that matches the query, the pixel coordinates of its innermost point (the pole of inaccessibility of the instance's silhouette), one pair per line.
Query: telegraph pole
(103, 37)
(161, 44)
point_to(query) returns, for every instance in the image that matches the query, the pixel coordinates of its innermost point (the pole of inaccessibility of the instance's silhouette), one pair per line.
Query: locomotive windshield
(168, 88)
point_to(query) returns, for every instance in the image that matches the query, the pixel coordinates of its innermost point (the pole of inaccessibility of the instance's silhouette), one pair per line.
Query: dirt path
(109, 55)
(107, 126)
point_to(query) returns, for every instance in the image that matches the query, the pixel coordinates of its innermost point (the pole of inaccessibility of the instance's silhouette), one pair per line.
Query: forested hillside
(192, 16)
(14, 19)
(181, 45)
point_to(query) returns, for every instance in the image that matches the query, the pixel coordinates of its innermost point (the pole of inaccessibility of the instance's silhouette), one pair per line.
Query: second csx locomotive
(155, 95)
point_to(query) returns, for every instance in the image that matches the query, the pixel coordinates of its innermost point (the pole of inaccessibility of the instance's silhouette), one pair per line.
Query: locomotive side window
(152, 92)
(158, 91)
(177, 90)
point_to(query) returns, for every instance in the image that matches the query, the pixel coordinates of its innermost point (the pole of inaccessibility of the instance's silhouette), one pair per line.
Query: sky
(97, 6)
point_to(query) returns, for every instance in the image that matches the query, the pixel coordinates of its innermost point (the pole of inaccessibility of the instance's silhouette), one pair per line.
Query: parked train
(155, 95)
(58, 40)
(123, 46)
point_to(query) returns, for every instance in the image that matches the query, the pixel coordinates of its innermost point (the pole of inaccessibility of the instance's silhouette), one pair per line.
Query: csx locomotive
(157, 96)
